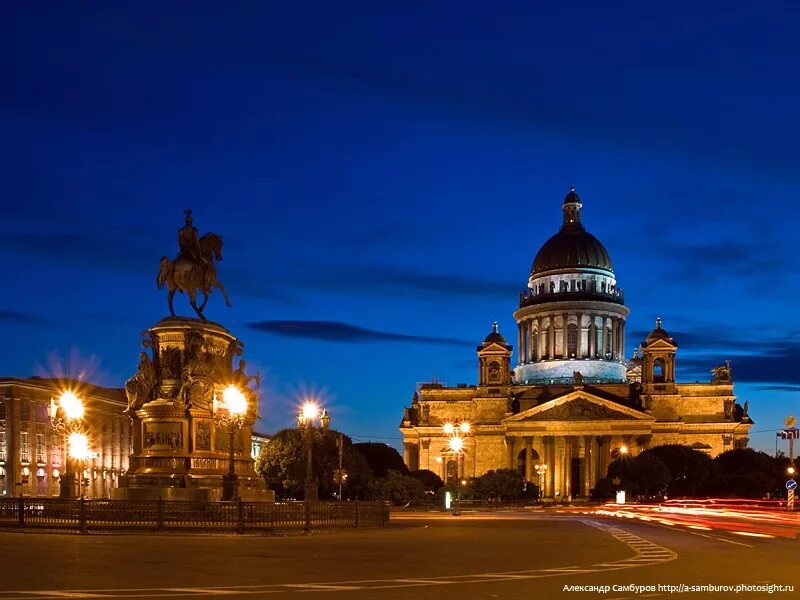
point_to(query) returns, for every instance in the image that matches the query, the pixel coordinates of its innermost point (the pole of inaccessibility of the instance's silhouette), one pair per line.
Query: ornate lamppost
(66, 417)
(79, 451)
(456, 446)
(456, 443)
(541, 469)
(230, 414)
(306, 421)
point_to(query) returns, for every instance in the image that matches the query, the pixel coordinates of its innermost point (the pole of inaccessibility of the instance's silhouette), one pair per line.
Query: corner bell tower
(494, 359)
(658, 358)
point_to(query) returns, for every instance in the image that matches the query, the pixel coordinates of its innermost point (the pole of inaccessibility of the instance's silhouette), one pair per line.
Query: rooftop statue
(722, 373)
(194, 268)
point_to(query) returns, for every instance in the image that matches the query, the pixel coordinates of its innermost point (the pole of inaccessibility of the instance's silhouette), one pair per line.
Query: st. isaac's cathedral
(573, 401)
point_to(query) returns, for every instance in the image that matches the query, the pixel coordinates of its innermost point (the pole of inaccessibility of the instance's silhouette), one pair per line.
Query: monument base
(181, 441)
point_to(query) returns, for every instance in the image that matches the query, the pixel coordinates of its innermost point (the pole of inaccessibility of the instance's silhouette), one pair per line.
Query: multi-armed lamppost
(66, 417)
(456, 445)
(230, 413)
(541, 469)
(456, 442)
(306, 421)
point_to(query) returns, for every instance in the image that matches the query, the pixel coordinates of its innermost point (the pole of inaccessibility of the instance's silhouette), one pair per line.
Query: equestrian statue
(194, 269)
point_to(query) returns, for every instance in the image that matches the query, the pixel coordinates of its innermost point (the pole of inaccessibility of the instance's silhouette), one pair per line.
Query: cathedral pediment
(580, 406)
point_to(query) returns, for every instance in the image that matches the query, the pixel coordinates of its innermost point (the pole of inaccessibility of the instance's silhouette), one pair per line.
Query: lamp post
(230, 413)
(79, 451)
(541, 469)
(456, 446)
(66, 417)
(306, 419)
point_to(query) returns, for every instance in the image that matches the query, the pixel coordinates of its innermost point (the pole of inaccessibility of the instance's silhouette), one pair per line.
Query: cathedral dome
(659, 334)
(495, 337)
(573, 246)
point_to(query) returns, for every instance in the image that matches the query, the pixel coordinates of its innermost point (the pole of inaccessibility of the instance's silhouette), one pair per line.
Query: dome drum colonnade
(572, 310)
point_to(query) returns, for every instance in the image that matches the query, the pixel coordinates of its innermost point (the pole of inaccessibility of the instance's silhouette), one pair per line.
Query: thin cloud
(335, 331)
(21, 318)
(390, 279)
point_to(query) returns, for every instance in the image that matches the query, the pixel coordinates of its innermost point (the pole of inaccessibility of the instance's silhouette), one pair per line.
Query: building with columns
(572, 401)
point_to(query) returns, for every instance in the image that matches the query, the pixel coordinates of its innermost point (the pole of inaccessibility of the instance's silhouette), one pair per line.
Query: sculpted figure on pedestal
(242, 381)
(194, 269)
(139, 388)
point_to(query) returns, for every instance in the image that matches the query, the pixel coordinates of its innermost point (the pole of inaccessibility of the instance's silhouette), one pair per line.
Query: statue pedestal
(179, 452)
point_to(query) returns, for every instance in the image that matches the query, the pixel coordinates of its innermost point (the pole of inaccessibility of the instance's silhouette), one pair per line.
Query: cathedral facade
(572, 402)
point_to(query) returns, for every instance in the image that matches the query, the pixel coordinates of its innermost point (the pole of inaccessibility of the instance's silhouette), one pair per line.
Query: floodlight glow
(465, 427)
(78, 446)
(71, 405)
(234, 400)
(456, 444)
(449, 428)
(310, 411)
(623, 449)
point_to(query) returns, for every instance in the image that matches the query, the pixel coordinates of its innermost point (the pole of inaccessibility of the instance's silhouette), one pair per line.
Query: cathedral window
(535, 342)
(572, 340)
(494, 373)
(451, 472)
(658, 370)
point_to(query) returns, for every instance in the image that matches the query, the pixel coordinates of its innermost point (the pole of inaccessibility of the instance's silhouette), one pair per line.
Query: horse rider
(189, 244)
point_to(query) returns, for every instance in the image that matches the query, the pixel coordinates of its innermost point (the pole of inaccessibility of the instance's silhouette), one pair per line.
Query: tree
(503, 485)
(644, 475)
(381, 458)
(283, 461)
(430, 480)
(399, 489)
(692, 473)
(749, 474)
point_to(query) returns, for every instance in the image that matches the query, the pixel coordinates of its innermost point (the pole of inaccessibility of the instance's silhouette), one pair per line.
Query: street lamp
(541, 469)
(306, 420)
(66, 417)
(230, 413)
(78, 449)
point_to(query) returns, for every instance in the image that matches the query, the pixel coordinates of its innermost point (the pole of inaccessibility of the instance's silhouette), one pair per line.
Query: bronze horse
(188, 277)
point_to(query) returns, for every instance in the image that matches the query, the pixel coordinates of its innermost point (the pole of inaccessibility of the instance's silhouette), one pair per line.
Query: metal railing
(159, 515)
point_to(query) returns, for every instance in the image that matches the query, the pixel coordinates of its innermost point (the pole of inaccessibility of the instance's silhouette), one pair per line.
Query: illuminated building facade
(572, 401)
(32, 453)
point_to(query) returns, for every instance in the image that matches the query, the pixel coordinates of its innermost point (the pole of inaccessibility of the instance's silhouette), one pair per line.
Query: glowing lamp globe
(78, 446)
(234, 400)
(310, 411)
(456, 444)
(71, 405)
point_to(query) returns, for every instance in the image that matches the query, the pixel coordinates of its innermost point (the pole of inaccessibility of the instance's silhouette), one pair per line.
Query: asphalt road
(490, 555)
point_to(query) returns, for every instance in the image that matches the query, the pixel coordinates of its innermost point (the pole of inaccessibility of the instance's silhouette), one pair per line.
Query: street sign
(790, 421)
(790, 434)
(791, 484)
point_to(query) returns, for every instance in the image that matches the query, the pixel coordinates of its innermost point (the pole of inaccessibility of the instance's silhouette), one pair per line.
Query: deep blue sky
(384, 174)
